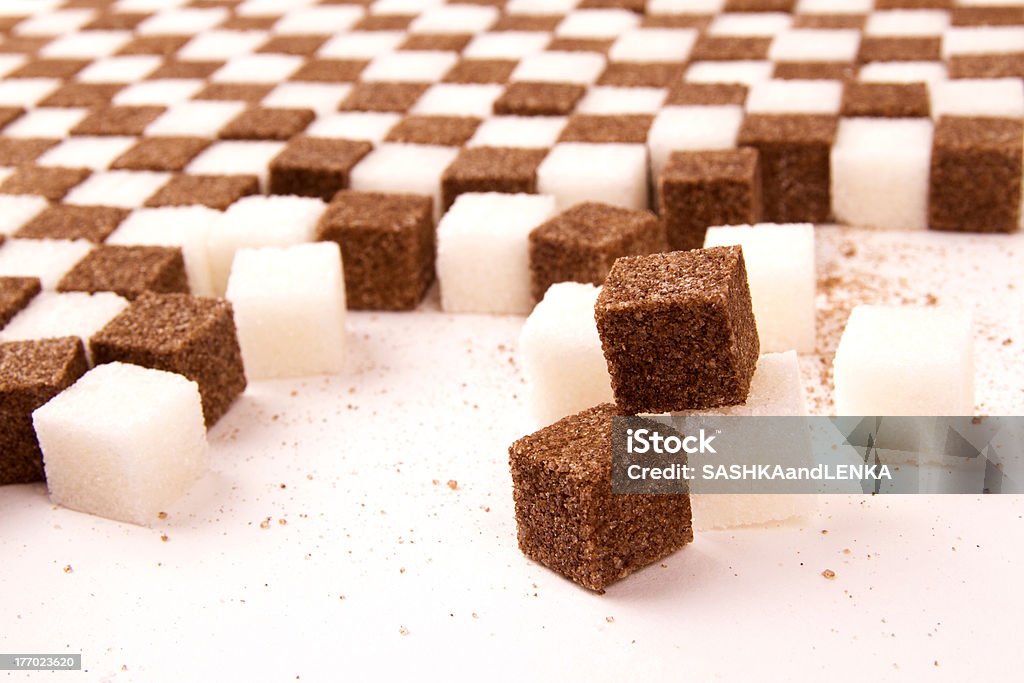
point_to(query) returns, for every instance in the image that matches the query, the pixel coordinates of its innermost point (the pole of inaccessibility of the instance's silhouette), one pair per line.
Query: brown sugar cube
(74, 94)
(678, 330)
(759, 5)
(128, 271)
(315, 167)
(384, 22)
(598, 45)
(116, 21)
(165, 46)
(31, 373)
(18, 151)
(830, 21)
(330, 71)
(46, 181)
(302, 46)
(795, 164)
(192, 336)
(214, 191)
(447, 131)
(698, 21)
(543, 23)
(1004, 65)
(259, 123)
(387, 247)
(640, 74)
(383, 97)
(68, 222)
(49, 68)
(234, 92)
(914, 4)
(484, 71)
(900, 49)
(815, 71)
(684, 93)
(9, 114)
(567, 517)
(539, 99)
(172, 68)
(15, 293)
(238, 22)
(443, 42)
(700, 189)
(988, 16)
(117, 120)
(624, 128)
(725, 48)
(23, 45)
(975, 180)
(887, 100)
(581, 243)
(491, 169)
(161, 154)
(631, 5)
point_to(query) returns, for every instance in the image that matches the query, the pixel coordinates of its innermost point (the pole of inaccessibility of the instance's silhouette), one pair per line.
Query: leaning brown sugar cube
(128, 271)
(15, 294)
(567, 517)
(678, 330)
(620, 128)
(387, 247)
(315, 167)
(887, 100)
(259, 123)
(539, 99)
(700, 189)
(31, 373)
(69, 222)
(447, 131)
(214, 191)
(975, 180)
(192, 336)
(491, 169)
(581, 243)
(795, 168)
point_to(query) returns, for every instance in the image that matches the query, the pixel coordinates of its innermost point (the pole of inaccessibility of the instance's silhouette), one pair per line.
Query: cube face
(31, 373)
(388, 247)
(905, 361)
(123, 443)
(290, 307)
(128, 271)
(696, 128)
(577, 172)
(566, 515)
(535, 98)
(47, 260)
(315, 167)
(62, 222)
(191, 336)
(51, 315)
(678, 330)
(412, 169)
(491, 169)
(208, 191)
(15, 294)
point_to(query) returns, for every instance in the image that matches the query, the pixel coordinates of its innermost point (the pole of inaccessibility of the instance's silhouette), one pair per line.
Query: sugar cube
(47, 260)
(745, 71)
(749, 24)
(996, 97)
(237, 157)
(903, 72)
(361, 44)
(72, 314)
(506, 44)
(26, 92)
(525, 132)
(455, 18)
(17, 210)
(221, 45)
(596, 23)
(560, 67)
(124, 189)
(87, 151)
(456, 99)
(163, 91)
(412, 169)
(263, 68)
(578, 172)
(182, 22)
(85, 45)
(354, 125)
(696, 128)
(318, 20)
(123, 69)
(196, 118)
(424, 66)
(619, 100)
(795, 97)
(46, 123)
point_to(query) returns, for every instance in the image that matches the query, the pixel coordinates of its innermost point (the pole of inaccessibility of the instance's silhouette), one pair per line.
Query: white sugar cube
(506, 44)
(361, 44)
(123, 189)
(529, 132)
(182, 22)
(322, 20)
(54, 23)
(124, 69)
(981, 40)
(560, 67)
(780, 270)
(692, 128)
(540, 6)
(455, 18)
(560, 354)
(907, 23)
(910, 360)
(274, 221)
(456, 99)
(289, 306)
(322, 98)
(710, 7)
(26, 92)
(775, 390)
(221, 44)
(85, 45)
(267, 68)
(9, 63)
(47, 260)
(612, 100)
(742, 71)
(815, 45)
(92, 152)
(413, 169)
(795, 97)
(750, 24)
(902, 72)
(653, 45)
(160, 92)
(880, 170)
(597, 23)
(46, 122)
(1002, 97)
(355, 125)
(834, 6)
(186, 227)
(578, 172)
(123, 442)
(73, 314)
(24, 8)
(425, 66)
(16, 210)
(483, 262)
(198, 118)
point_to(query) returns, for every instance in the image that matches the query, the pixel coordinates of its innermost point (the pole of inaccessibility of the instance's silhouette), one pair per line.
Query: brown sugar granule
(726, 48)
(795, 152)
(452, 484)
(215, 191)
(443, 42)
(384, 22)
(387, 247)
(830, 21)
(525, 98)
(49, 182)
(678, 330)
(491, 169)
(234, 92)
(581, 243)
(567, 517)
(700, 189)
(640, 74)
(172, 68)
(31, 373)
(383, 96)
(975, 179)
(330, 71)
(1005, 65)
(74, 94)
(260, 123)
(900, 49)
(117, 120)
(128, 271)
(192, 336)
(684, 93)
(481, 71)
(624, 128)
(828, 574)
(815, 71)
(544, 23)
(161, 154)
(447, 131)
(599, 45)
(18, 151)
(165, 46)
(315, 167)
(15, 294)
(987, 16)
(9, 114)
(69, 222)
(302, 46)
(889, 100)
(49, 68)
